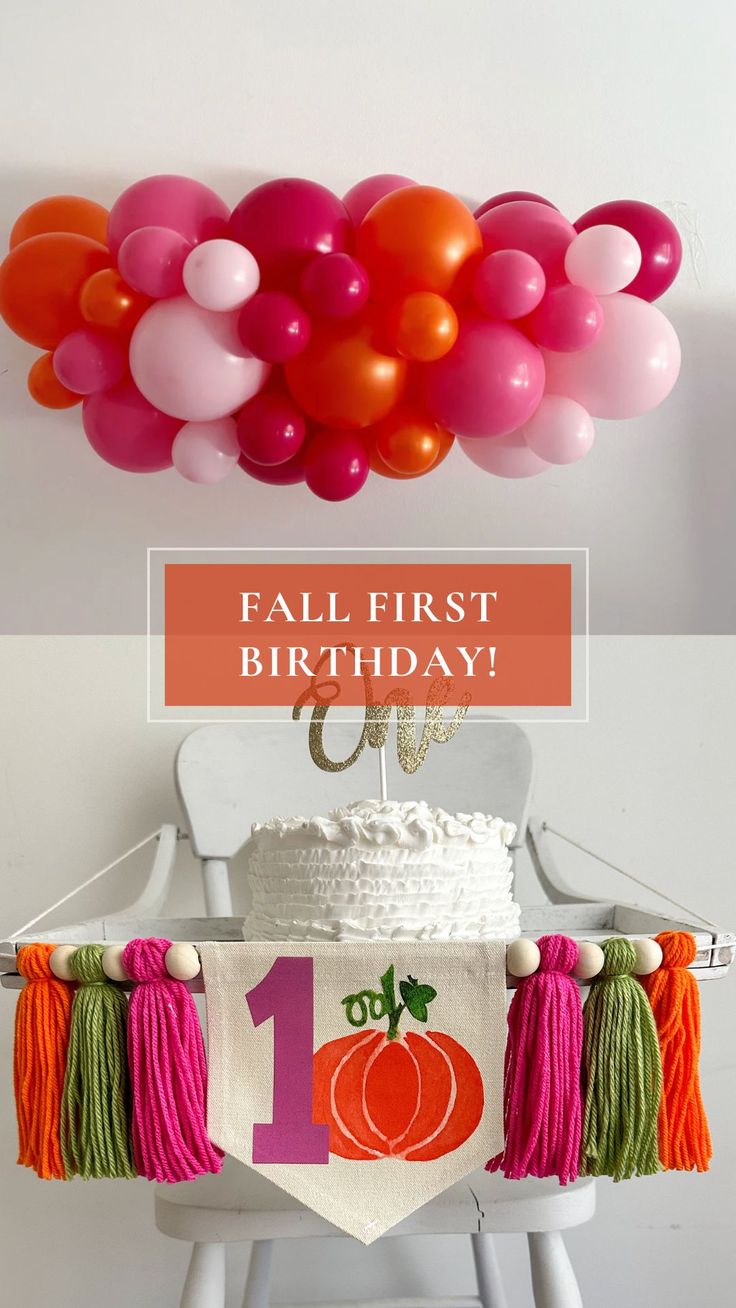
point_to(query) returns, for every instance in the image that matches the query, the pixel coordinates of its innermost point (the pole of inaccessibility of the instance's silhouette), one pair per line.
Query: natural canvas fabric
(364, 1078)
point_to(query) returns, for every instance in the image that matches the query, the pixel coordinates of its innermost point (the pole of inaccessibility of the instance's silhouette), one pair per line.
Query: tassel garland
(542, 1101)
(684, 1138)
(42, 1021)
(94, 1128)
(168, 1071)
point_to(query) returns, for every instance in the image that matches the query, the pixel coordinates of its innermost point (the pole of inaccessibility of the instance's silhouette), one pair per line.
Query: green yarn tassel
(622, 1071)
(95, 1138)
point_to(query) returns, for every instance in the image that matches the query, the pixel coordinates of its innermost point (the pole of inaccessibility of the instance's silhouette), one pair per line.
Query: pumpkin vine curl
(377, 1004)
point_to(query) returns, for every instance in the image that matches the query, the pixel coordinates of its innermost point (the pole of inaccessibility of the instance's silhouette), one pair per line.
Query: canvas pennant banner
(362, 1078)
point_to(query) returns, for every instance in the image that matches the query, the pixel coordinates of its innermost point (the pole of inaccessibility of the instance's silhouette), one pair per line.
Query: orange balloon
(61, 213)
(40, 282)
(107, 301)
(46, 389)
(380, 440)
(423, 326)
(416, 239)
(344, 378)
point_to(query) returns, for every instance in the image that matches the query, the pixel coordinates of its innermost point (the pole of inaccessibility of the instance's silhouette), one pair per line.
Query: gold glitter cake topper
(324, 694)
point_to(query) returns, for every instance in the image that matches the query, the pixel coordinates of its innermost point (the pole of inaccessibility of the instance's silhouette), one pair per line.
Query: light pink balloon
(561, 430)
(630, 367)
(151, 260)
(87, 361)
(362, 197)
(603, 259)
(190, 362)
(504, 456)
(206, 452)
(221, 275)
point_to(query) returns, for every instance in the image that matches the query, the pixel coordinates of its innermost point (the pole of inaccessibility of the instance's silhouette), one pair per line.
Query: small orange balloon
(417, 239)
(61, 213)
(107, 301)
(407, 444)
(423, 326)
(40, 283)
(46, 389)
(344, 378)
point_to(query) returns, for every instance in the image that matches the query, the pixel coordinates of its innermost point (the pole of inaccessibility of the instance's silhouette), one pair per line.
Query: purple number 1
(286, 994)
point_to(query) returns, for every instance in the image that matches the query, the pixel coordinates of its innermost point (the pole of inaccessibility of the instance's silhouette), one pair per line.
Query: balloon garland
(308, 338)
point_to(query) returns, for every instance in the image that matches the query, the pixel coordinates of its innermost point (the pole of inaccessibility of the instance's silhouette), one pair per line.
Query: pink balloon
(271, 428)
(362, 197)
(286, 221)
(152, 260)
(505, 456)
(282, 474)
(126, 431)
(490, 382)
(336, 464)
(180, 203)
(527, 225)
(628, 370)
(561, 430)
(507, 197)
(657, 238)
(206, 452)
(334, 285)
(508, 284)
(603, 259)
(221, 275)
(87, 361)
(274, 326)
(569, 318)
(190, 362)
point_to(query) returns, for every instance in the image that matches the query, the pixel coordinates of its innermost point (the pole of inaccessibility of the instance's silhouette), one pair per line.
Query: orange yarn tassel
(684, 1138)
(42, 1021)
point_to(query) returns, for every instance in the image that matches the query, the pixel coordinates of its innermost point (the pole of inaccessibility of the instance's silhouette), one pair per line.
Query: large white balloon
(191, 363)
(629, 369)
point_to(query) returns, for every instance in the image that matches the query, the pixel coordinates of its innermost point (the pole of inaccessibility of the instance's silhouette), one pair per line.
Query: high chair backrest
(231, 775)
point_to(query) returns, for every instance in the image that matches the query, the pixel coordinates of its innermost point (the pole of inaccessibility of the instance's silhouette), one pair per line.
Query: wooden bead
(648, 956)
(182, 962)
(112, 963)
(590, 960)
(522, 957)
(59, 961)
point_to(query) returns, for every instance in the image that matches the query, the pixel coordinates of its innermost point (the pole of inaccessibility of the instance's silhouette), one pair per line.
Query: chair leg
(205, 1283)
(553, 1279)
(258, 1281)
(487, 1271)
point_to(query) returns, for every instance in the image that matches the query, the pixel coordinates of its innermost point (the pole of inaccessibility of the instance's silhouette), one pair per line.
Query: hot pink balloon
(336, 464)
(655, 234)
(628, 370)
(221, 275)
(603, 259)
(527, 225)
(362, 197)
(490, 382)
(505, 456)
(286, 221)
(508, 284)
(167, 200)
(568, 318)
(334, 285)
(206, 452)
(281, 474)
(561, 430)
(152, 260)
(126, 431)
(190, 362)
(271, 428)
(507, 197)
(274, 326)
(87, 361)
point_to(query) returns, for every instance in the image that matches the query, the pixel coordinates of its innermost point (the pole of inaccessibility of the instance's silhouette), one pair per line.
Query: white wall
(648, 784)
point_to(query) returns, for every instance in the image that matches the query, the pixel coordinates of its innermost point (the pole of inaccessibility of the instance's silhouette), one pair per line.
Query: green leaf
(417, 998)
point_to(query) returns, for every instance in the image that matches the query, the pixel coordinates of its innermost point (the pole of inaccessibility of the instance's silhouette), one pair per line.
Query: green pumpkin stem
(382, 1003)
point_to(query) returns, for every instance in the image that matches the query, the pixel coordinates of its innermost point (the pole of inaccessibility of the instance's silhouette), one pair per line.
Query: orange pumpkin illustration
(410, 1095)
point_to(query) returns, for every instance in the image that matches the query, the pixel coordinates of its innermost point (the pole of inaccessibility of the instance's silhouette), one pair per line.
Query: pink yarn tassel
(542, 1098)
(168, 1071)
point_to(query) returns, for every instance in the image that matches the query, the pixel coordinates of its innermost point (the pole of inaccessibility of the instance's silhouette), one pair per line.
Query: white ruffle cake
(382, 870)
